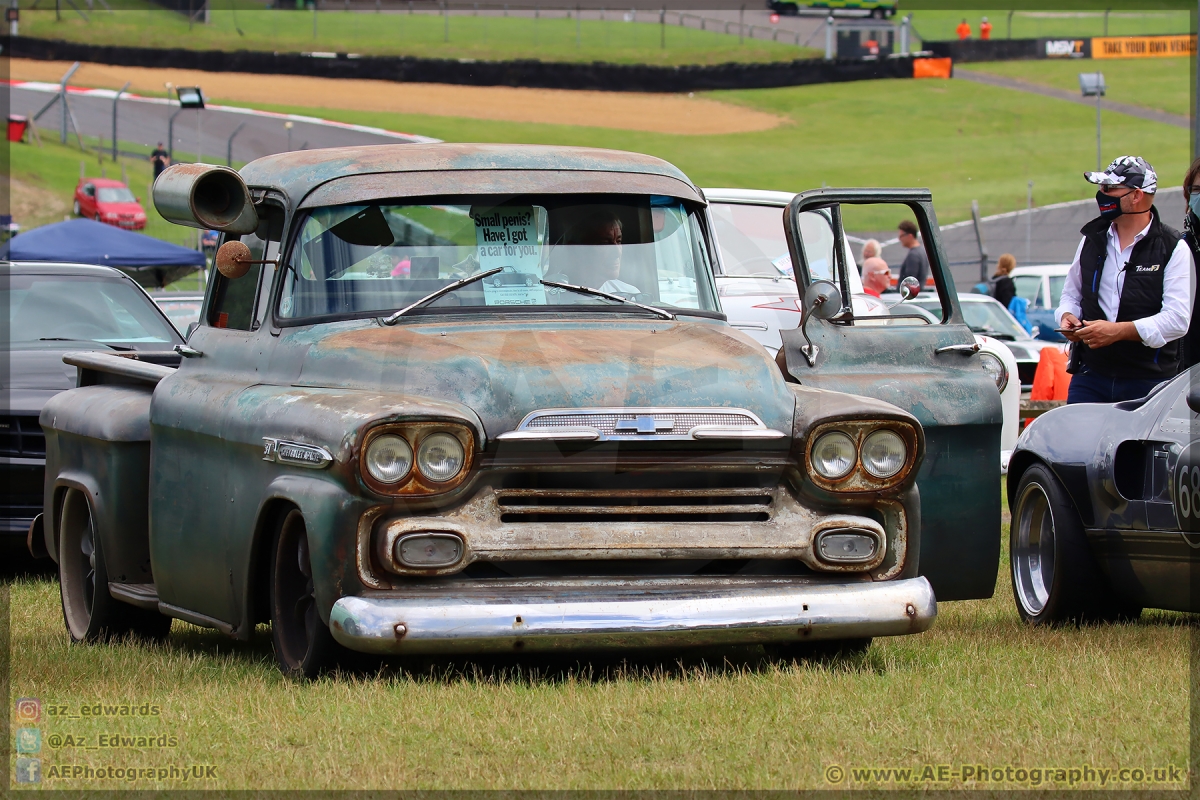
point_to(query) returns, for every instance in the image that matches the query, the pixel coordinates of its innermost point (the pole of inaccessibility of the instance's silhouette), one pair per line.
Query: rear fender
(98, 441)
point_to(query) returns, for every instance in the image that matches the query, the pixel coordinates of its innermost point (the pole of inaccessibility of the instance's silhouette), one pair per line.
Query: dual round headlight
(439, 458)
(835, 454)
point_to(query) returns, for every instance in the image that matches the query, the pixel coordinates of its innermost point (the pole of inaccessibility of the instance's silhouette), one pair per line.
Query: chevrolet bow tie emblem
(644, 425)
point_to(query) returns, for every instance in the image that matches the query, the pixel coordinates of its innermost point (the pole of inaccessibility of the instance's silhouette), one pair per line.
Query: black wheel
(821, 650)
(89, 611)
(1054, 574)
(304, 647)
(878, 13)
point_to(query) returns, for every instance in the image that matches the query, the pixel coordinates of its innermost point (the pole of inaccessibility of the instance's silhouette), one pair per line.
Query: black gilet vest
(1141, 296)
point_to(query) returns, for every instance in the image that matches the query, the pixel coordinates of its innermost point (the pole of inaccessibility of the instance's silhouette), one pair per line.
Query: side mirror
(233, 259)
(823, 300)
(1193, 398)
(910, 287)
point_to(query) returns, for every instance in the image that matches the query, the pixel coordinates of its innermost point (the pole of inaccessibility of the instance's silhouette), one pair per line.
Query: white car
(1042, 286)
(759, 295)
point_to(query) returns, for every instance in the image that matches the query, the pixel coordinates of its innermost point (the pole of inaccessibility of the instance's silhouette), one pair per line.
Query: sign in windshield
(376, 258)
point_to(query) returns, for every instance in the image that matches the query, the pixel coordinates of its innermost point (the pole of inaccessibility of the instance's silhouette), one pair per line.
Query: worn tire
(822, 650)
(92, 614)
(1055, 577)
(304, 647)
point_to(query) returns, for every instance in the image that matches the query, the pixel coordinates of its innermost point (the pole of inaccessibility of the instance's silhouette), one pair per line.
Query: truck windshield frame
(371, 259)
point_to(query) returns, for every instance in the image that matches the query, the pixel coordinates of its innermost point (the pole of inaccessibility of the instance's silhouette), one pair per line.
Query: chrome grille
(584, 505)
(22, 436)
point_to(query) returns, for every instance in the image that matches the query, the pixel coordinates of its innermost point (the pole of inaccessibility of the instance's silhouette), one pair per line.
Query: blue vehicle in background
(1042, 286)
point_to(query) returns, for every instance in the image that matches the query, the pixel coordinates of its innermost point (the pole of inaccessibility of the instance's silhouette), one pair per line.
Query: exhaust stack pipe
(205, 196)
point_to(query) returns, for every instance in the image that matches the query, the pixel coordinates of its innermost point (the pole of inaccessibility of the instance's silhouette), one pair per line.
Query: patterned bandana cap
(1131, 171)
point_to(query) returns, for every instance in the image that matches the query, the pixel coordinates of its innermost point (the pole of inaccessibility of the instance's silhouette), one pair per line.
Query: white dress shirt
(1179, 290)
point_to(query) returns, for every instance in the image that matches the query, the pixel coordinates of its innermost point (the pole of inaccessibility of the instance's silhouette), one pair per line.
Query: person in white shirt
(1128, 296)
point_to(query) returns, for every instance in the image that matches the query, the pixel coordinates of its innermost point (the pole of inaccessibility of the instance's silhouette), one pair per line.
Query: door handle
(964, 349)
(187, 352)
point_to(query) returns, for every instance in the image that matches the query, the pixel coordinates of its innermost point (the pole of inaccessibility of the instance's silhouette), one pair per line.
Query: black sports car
(55, 309)
(1105, 506)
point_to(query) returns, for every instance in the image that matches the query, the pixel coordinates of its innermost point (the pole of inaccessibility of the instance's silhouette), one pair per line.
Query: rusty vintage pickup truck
(479, 398)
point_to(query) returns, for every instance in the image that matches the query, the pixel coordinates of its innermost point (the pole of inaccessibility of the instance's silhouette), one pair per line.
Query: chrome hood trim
(640, 424)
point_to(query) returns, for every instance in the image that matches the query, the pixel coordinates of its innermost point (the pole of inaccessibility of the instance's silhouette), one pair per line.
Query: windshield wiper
(597, 293)
(478, 276)
(89, 341)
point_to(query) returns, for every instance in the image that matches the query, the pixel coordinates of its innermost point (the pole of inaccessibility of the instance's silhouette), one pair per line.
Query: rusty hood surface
(503, 371)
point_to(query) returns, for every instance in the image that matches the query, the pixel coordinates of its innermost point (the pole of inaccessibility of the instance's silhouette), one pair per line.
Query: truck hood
(504, 371)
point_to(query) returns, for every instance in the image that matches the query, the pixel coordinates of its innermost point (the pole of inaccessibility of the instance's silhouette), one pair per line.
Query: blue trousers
(1088, 387)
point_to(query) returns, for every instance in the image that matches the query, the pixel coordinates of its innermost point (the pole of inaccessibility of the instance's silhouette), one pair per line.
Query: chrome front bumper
(586, 614)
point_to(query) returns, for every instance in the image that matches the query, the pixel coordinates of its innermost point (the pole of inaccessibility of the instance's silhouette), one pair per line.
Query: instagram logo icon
(29, 709)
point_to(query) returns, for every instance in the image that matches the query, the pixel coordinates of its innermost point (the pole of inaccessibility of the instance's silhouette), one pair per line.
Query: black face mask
(1110, 207)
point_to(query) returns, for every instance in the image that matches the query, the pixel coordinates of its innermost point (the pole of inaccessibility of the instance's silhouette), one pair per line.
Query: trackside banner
(1143, 46)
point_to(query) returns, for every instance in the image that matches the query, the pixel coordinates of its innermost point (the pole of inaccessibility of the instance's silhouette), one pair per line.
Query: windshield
(115, 194)
(370, 259)
(58, 307)
(753, 241)
(988, 318)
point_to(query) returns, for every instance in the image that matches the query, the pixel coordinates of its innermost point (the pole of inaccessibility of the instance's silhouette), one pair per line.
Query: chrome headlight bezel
(859, 479)
(416, 483)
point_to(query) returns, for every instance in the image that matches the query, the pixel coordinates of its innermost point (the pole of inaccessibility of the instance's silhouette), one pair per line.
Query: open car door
(929, 369)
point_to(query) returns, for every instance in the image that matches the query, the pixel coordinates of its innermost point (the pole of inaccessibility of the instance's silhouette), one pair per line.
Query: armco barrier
(533, 74)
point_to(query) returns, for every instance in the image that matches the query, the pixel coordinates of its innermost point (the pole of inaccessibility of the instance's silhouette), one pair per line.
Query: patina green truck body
(626, 476)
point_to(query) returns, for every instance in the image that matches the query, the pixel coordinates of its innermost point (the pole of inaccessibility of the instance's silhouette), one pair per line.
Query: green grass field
(978, 689)
(962, 140)
(552, 38)
(1159, 83)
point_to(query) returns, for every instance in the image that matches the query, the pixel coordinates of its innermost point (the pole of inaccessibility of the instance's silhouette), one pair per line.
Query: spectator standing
(916, 263)
(1190, 353)
(870, 249)
(160, 158)
(963, 30)
(985, 29)
(1002, 288)
(1129, 293)
(877, 277)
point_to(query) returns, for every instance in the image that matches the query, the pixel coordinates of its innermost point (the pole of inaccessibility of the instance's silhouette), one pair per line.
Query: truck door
(928, 369)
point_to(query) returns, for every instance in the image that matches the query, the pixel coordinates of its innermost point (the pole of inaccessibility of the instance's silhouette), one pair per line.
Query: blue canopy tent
(151, 262)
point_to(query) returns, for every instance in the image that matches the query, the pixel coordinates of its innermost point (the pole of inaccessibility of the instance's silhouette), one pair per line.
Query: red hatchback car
(110, 202)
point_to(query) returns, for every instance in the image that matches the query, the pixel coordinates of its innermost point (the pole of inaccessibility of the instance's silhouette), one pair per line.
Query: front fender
(331, 516)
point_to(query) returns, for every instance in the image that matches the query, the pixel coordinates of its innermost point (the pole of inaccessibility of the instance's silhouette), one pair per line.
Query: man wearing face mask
(1129, 293)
